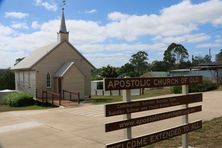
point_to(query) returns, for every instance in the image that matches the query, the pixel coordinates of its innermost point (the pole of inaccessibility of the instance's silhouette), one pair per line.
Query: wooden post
(185, 119)
(60, 97)
(127, 98)
(46, 97)
(63, 94)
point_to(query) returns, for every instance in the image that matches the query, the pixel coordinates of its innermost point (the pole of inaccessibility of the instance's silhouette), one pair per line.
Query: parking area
(83, 126)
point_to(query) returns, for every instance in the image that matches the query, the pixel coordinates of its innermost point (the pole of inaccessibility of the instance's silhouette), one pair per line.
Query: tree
(175, 54)
(18, 60)
(127, 70)
(219, 56)
(184, 65)
(108, 72)
(159, 66)
(200, 60)
(140, 62)
(7, 80)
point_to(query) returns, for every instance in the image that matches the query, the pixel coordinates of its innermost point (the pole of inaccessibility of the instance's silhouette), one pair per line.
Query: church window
(48, 80)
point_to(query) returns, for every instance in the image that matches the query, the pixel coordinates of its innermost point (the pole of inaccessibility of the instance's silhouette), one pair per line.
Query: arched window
(48, 80)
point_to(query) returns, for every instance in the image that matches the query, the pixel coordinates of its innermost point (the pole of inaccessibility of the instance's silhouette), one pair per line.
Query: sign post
(127, 98)
(128, 107)
(185, 118)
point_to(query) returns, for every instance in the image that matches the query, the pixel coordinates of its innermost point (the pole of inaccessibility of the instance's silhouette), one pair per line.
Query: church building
(55, 67)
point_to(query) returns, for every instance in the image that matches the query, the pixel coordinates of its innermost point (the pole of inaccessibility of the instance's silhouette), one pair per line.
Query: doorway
(60, 85)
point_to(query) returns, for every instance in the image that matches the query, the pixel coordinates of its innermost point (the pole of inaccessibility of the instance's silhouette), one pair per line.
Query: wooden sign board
(148, 119)
(135, 83)
(137, 106)
(156, 137)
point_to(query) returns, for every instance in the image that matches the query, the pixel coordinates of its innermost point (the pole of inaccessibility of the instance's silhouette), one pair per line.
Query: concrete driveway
(83, 127)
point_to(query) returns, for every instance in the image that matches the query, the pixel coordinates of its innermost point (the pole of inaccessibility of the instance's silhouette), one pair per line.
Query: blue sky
(109, 32)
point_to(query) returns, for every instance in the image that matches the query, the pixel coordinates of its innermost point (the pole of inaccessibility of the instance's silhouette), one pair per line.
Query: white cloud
(218, 40)
(208, 45)
(35, 25)
(17, 15)
(179, 19)
(17, 25)
(173, 24)
(90, 11)
(186, 38)
(49, 5)
(5, 30)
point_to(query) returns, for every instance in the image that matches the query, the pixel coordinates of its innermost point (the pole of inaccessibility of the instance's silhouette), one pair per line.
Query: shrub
(206, 85)
(18, 99)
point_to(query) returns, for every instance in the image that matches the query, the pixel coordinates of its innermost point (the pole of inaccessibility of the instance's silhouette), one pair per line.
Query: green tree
(108, 72)
(219, 56)
(127, 70)
(184, 64)
(159, 66)
(196, 60)
(175, 54)
(140, 62)
(18, 60)
(7, 80)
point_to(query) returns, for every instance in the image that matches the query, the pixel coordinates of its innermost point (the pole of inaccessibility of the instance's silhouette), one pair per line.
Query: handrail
(75, 93)
(70, 95)
(52, 96)
(46, 93)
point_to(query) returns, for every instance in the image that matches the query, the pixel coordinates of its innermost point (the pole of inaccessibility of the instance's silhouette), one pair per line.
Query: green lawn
(5, 108)
(210, 136)
(147, 94)
(219, 88)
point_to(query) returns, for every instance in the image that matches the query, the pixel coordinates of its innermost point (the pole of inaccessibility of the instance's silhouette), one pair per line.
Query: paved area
(83, 127)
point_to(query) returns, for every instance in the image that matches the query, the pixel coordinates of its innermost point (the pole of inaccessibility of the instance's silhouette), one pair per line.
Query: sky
(110, 31)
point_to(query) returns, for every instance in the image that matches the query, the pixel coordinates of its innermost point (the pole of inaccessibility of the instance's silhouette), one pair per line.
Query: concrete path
(83, 127)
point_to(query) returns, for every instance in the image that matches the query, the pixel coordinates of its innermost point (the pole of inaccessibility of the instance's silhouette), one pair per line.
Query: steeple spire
(63, 34)
(63, 23)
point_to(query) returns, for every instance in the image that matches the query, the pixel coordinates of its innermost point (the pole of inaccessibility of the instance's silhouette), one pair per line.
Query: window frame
(48, 80)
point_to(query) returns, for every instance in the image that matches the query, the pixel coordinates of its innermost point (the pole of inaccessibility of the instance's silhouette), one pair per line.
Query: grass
(209, 136)
(5, 108)
(147, 94)
(219, 88)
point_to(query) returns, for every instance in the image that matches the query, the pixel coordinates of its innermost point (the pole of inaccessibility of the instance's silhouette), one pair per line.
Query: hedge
(206, 85)
(18, 99)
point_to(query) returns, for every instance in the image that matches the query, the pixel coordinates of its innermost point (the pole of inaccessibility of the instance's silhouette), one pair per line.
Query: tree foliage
(175, 54)
(196, 60)
(127, 70)
(159, 66)
(18, 60)
(139, 62)
(219, 56)
(108, 72)
(7, 79)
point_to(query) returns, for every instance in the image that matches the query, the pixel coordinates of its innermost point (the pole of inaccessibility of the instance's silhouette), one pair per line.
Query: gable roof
(35, 57)
(40, 53)
(63, 69)
(81, 55)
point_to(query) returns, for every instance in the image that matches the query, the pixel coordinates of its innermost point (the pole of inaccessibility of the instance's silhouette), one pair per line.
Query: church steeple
(63, 34)
(63, 23)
